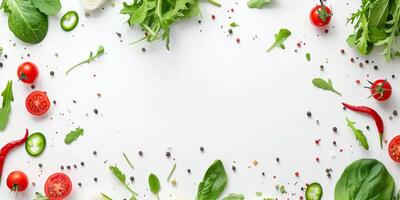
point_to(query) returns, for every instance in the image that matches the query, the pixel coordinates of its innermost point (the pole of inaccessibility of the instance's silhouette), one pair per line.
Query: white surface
(236, 100)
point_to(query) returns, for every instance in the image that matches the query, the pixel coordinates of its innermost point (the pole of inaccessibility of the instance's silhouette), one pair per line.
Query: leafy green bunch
(155, 17)
(376, 23)
(28, 18)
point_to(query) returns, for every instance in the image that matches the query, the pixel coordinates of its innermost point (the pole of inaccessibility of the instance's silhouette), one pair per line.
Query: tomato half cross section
(394, 149)
(37, 103)
(58, 186)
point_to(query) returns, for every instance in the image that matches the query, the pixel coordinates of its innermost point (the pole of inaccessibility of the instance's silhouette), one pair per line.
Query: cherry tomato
(27, 72)
(381, 90)
(37, 103)
(58, 186)
(394, 149)
(17, 181)
(320, 15)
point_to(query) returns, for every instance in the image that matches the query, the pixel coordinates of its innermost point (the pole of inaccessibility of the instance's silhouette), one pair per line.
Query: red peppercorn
(297, 174)
(317, 159)
(213, 17)
(358, 82)
(238, 40)
(317, 142)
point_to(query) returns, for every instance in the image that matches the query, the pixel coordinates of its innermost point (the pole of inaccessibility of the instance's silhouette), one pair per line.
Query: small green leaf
(257, 3)
(322, 84)
(40, 196)
(172, 172)
(118, 173)
(233, 196)
(73, 135)
(358, 133)
(128, 161)
(105, 196)
(233, 25)
(280, 37)
(91, 58)
(259, 194)
(154, 184)
(5, 110)
(282, 189)
(308, 57)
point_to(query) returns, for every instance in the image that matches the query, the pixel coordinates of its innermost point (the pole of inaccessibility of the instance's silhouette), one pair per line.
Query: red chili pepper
(371, 112)
(8, 147)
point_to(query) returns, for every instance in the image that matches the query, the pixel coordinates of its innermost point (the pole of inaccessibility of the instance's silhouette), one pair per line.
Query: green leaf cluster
(28, 18)
(155, 17)
(376, 23)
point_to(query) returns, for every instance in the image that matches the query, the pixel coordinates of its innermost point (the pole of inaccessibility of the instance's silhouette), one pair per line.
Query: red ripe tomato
(320, 15)
(27, 72)
(381, 90)
(17, 181)
(37, 103)
(394, 149)
(58, 186)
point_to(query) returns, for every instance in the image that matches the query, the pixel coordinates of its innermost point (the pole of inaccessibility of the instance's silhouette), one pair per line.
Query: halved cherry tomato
(394, 149)
(58, 186)
(37, 103)
(27, 72)
(381, 90)
(17, 181)
(320, 15)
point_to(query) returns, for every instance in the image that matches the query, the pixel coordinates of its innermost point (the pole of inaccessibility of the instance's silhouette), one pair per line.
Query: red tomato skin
(59, 181)
(17, 179)
(394, 149)
(37, 103)
(316, 20)
(28, 72)
(385, 85)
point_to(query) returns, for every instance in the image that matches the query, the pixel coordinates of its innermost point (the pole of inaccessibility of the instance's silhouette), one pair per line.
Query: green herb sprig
(91, 58)
(73, 135)
(325, 85)
(358, 133)
(280, 38)
(5, 110)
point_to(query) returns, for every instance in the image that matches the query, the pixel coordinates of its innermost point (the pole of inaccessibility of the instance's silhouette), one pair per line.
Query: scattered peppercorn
(233, 168)
(80, 184)
(277, 159)
(309, 114)
(375, 67)
(95, 179)
(189, 171)
(94, 152)
(168, 154)
(40, 165)
(96, 111)
(68, 167)
(202, 149)
(62, 167)
(395, 112)
(51, 73)
(82, 164)
(334, 129)
(132, 178)
(140, 153)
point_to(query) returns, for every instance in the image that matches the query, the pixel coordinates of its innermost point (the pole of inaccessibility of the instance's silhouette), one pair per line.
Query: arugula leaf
(40, 196)
(233, 196)
(280, 38)
(105, 196)
(155, 17)
(258, 3)
(100, 52)
(73, 135)
(322, 84)
(48, 7)
(122, 178)
(154, 184)
(214, 182)
(5, 110)
(25, 21)
(282, 189)
(358, 133)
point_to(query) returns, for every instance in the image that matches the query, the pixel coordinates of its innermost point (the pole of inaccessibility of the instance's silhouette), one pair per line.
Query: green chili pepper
(69, 21)
(35, 144)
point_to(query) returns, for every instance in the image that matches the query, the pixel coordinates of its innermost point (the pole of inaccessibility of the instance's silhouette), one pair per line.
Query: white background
(236, 100)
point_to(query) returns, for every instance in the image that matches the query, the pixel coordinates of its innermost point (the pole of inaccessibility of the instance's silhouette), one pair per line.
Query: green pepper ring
(67, 17)
(35, 144)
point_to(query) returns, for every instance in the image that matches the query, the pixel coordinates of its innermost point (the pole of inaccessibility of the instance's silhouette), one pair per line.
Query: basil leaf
(358, 133)
(25, 21)
(257, 3)
(5, 110)
(154, 184)
(280, 37)
(73, 135)
(233, 196)
(365, 179)
(322, 84)
(214, 182)
(48, 7)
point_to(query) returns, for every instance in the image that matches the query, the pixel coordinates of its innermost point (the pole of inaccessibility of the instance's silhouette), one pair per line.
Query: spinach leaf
(233, 196)
(365, 179)
(73, 135)
(25, 21)
(154, 184)
(214, 182)
(258, 3)
(322, 84)
(358, 133)
(5, 110)
(280, 37)
(48, 7)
